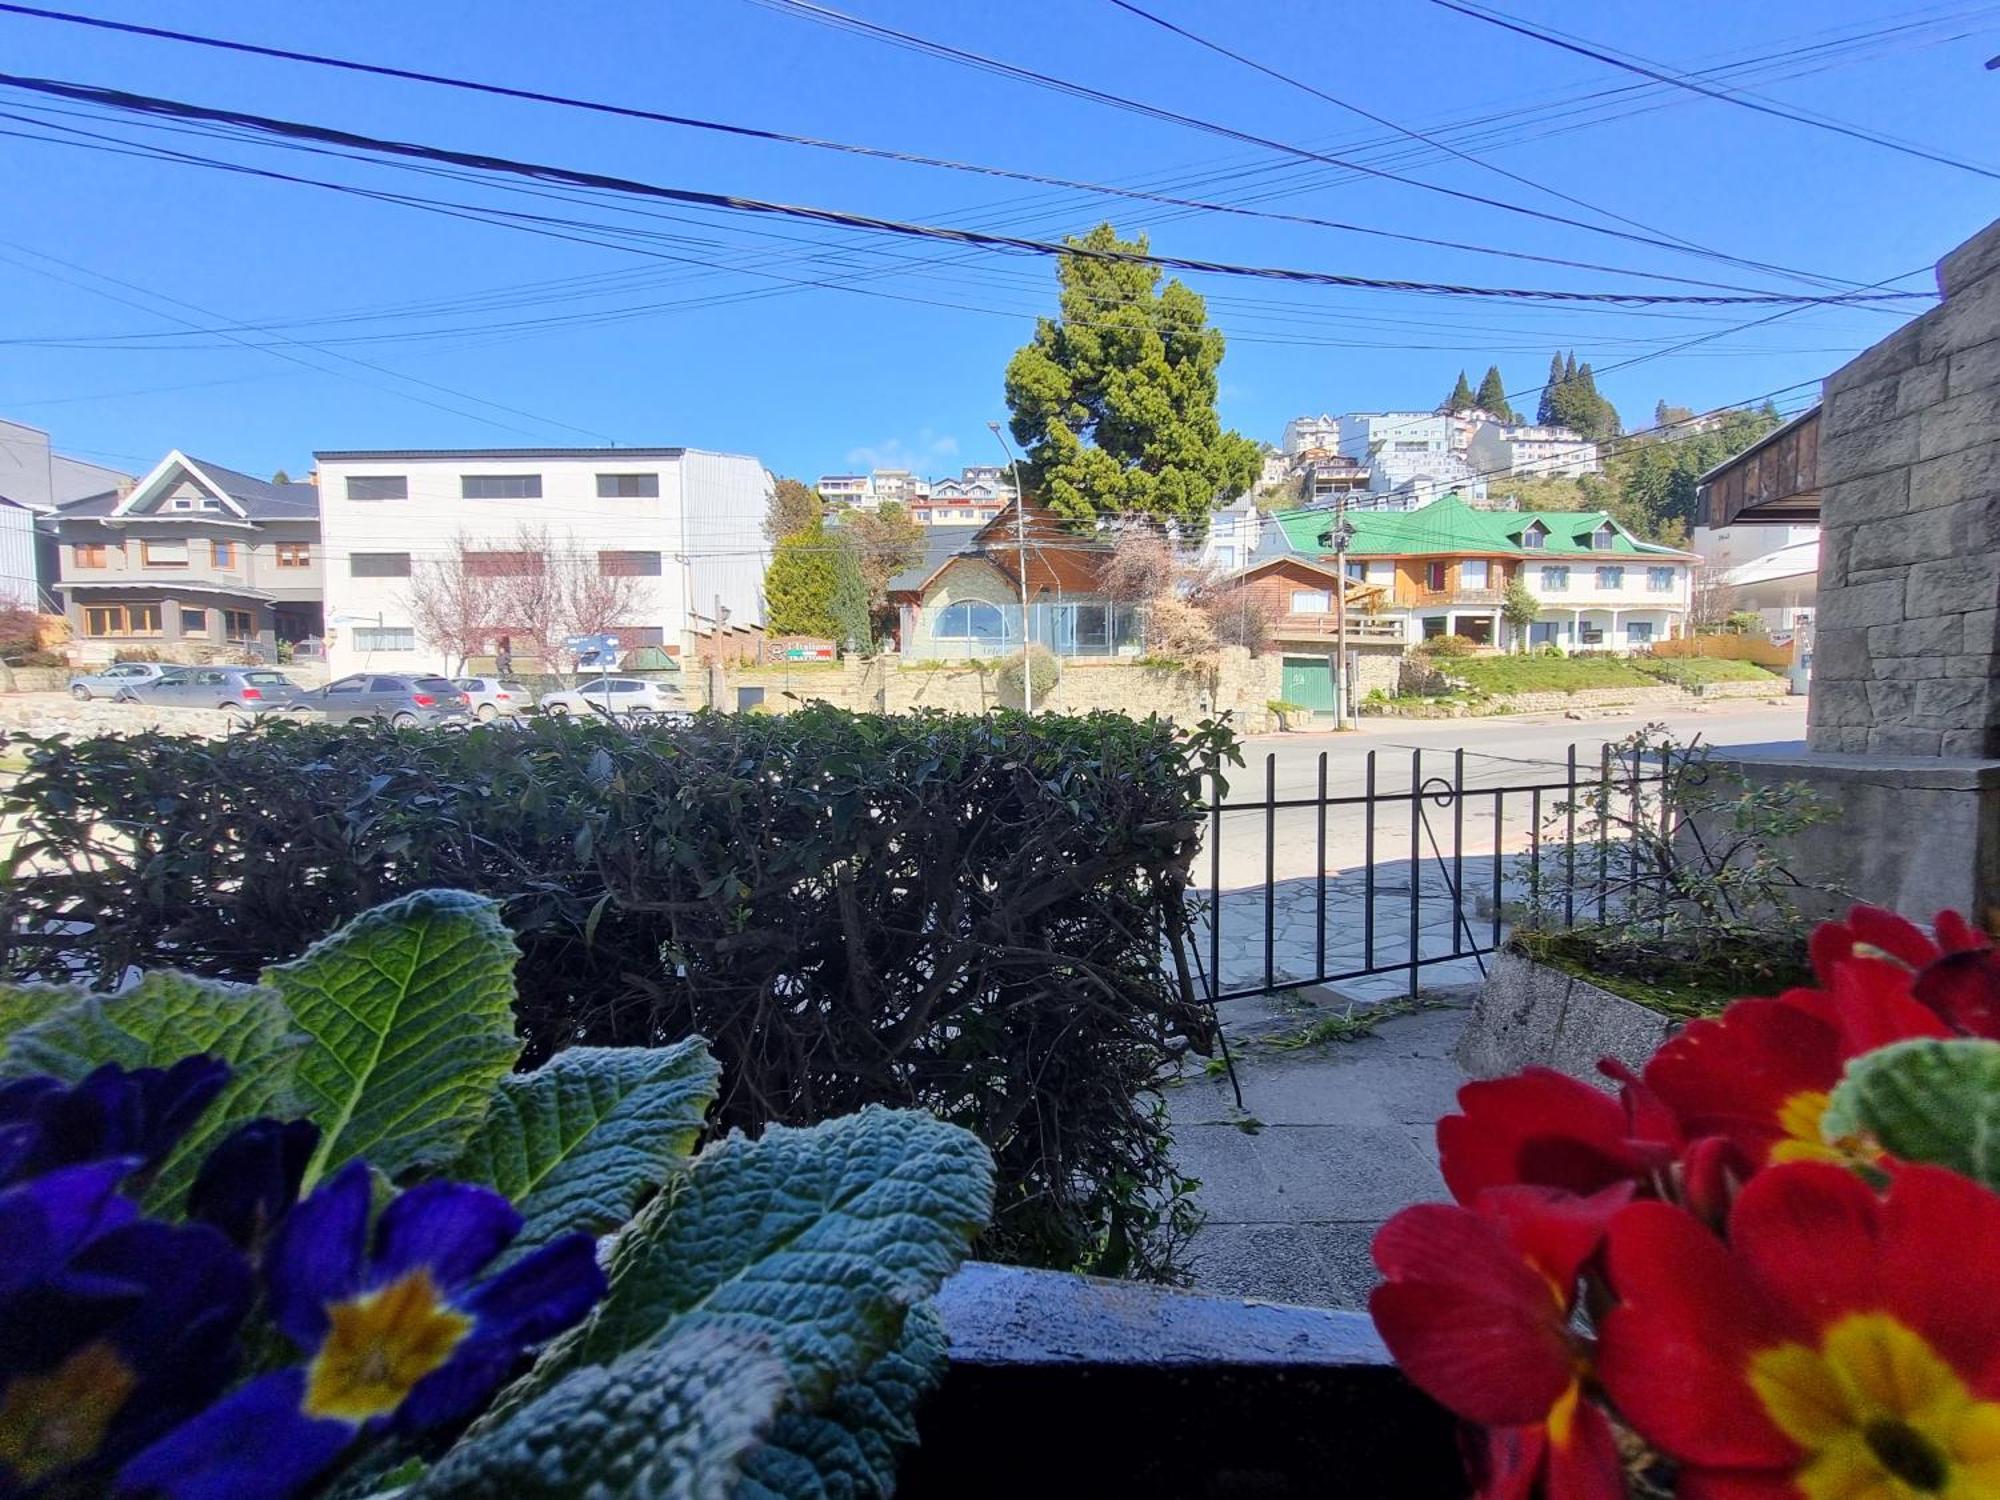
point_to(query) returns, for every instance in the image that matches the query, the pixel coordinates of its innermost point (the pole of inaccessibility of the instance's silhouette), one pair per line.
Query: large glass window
(164, 554)
(1638, 632)
(385, 638)
(503, 564)
(1611, 579)
(628, 486)
(1555, 578)
(1312, 601)
(238, 624)
(628, 564)
(378, 487)
(1659, 580)
(121, 619)
(500, 486)
(378, 564)
(1472, 573)
(971, 620)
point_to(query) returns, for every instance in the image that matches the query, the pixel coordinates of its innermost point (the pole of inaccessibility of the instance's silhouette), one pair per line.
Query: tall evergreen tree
(1545, 413)
(1492, 395)
(1460, 398)
(799, 585)
(1114, 400)
(1569, 367)
(853, 630)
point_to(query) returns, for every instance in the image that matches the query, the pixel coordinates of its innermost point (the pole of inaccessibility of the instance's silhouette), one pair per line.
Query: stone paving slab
(1338, 1138)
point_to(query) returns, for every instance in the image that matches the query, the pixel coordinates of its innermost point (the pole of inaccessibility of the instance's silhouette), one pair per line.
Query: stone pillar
(1909, 581)
(1904, 722)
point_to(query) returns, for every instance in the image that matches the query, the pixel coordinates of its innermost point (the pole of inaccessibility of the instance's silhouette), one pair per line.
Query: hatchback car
(402, 700)
(110, 681)
(617, 695)
(491, 697)
(251, 690)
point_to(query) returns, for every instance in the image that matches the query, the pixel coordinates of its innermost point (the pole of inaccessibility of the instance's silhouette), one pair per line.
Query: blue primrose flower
(397, 1335)
(249, 1182)
(45, 1123)
(114, 1329)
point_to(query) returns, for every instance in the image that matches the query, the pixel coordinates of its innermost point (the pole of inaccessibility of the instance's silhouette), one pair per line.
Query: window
(194, 622)
(387, 685)
(628, 564)
(1472, 573)
(1535, 537)
(1435, 626)
(93, 554)
(502, 564)
(1434, 576)
(1312, 601)
(1602, 539)
(222, 554)
(294, 554)
(1638, 632)
(384, 638)
(238, 625)
(640, 637)
(970, 620)
(1356, 570)
(1413, 447)
(1611, 578)
(378, 565)
(121, 619)
(628, 486)
(378, 487)
(348, 685)
(164, 554)
(1555, 578)
(1083, 629)
(1659, 580)
(500, 486)
(1382, 572)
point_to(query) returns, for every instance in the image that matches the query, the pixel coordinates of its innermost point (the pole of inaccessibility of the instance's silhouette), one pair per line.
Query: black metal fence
(1325, 884)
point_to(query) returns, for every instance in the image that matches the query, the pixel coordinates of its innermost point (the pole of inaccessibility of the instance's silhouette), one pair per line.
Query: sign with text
(591, 649)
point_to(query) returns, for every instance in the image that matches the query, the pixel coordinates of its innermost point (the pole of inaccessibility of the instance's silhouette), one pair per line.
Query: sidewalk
(1332, 1139)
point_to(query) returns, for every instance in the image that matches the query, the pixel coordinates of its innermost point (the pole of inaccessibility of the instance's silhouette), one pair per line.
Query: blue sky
(819, 350)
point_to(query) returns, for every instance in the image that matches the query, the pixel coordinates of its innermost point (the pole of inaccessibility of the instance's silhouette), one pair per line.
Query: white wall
(17, 556)
(1730, 546)
(706, 522)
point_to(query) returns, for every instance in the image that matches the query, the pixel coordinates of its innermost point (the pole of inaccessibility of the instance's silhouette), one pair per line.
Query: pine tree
(1115, 399)
(1546, 412)
(1460, 398)
(1493, 395)
(799, 585)
(848, 604)
(1569, 367)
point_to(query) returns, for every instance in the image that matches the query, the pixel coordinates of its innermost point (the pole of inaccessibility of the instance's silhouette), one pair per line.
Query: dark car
(401, 700)
(250, 690)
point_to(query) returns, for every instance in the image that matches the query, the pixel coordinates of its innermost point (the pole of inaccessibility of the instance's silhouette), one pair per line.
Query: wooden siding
(1773, 483)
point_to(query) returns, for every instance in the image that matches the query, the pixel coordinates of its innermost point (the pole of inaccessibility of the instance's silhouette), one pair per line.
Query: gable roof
(941, 545)
(1451, 526)
(242, 495)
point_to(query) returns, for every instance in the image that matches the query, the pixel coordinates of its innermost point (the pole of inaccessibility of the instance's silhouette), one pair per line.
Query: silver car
(617, 695)
(403, 700)
(114, 679)
(247, 690)
(491, 697)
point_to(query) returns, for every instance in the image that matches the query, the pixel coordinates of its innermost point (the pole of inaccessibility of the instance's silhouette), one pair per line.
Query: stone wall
(46, 716)
(1909, 572)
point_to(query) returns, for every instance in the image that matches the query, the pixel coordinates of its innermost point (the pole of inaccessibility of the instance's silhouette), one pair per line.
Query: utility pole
(1021, 547)
(1342, 534)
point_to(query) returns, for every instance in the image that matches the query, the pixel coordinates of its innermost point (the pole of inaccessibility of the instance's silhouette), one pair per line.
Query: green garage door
(1308, 682)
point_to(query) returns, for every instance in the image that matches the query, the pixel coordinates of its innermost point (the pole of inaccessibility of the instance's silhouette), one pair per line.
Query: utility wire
(1762, 107)
(294, 130)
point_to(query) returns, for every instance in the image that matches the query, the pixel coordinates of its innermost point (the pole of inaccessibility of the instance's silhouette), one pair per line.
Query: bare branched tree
(549, 591)
(456, 604)
(1713, 600)
(1140, 569)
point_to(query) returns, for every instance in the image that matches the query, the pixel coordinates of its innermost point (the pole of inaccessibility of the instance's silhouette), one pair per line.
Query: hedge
(984, 917)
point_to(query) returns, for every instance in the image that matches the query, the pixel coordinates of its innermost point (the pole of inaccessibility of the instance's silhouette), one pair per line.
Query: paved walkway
(1331, 1141)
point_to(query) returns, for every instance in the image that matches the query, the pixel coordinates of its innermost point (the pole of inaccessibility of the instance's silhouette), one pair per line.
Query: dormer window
(1602, 538)
(1535, 536)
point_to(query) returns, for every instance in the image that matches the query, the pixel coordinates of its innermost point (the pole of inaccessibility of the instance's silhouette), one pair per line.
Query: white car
(616, 695)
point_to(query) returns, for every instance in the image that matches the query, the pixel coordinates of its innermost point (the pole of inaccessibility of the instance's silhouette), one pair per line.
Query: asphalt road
(1499, 752)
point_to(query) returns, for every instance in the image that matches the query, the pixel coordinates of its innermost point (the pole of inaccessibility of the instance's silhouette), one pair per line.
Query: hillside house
(1446, 567)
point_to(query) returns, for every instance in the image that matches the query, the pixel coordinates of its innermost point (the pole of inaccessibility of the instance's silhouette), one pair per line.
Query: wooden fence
(1753, 648)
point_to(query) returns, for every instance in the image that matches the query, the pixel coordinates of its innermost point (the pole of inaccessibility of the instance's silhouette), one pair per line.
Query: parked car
(109, 682)
(403, 700)
(491, 697)
(254, 690)
(617, 695)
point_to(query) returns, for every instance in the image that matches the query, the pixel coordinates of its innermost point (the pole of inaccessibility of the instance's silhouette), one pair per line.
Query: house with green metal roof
(1446, 566)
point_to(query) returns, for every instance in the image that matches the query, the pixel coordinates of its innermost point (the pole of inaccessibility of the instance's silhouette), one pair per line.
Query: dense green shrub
(1447, 645)
(984, 917)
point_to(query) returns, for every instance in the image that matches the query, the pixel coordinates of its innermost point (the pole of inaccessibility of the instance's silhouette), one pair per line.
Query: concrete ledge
(1528, 1015)
(1070, 1385)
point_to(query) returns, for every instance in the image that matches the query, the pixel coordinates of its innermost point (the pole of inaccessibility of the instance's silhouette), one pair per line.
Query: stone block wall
(1909, 583)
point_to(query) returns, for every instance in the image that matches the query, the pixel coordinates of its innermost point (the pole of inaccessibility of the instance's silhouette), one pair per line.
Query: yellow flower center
(1880, 1415)
(379, 1346)
(48, 1422)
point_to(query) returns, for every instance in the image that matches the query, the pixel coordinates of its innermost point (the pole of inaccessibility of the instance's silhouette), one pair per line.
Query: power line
(291, 129)
(1760, 106)
(840, 20)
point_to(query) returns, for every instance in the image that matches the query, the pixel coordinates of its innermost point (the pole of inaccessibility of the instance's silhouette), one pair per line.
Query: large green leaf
(23, 1004)
(1925, 1101)
(409, 1008)
(578, 1142)
(672, 1422)
(850, 1449)
(163, 1018)
(816, 1241)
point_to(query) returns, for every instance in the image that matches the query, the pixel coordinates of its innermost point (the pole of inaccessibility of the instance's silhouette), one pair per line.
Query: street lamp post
(1021, 566)
(1341, 535)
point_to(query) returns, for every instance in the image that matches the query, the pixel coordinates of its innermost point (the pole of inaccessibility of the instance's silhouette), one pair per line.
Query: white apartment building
(847, 489)
(1305, 433)
(1531, 452)
(688, 523)
(1414, 453)
(880, 486)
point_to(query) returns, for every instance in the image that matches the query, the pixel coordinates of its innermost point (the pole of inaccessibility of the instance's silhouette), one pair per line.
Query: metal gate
(1308, 682)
